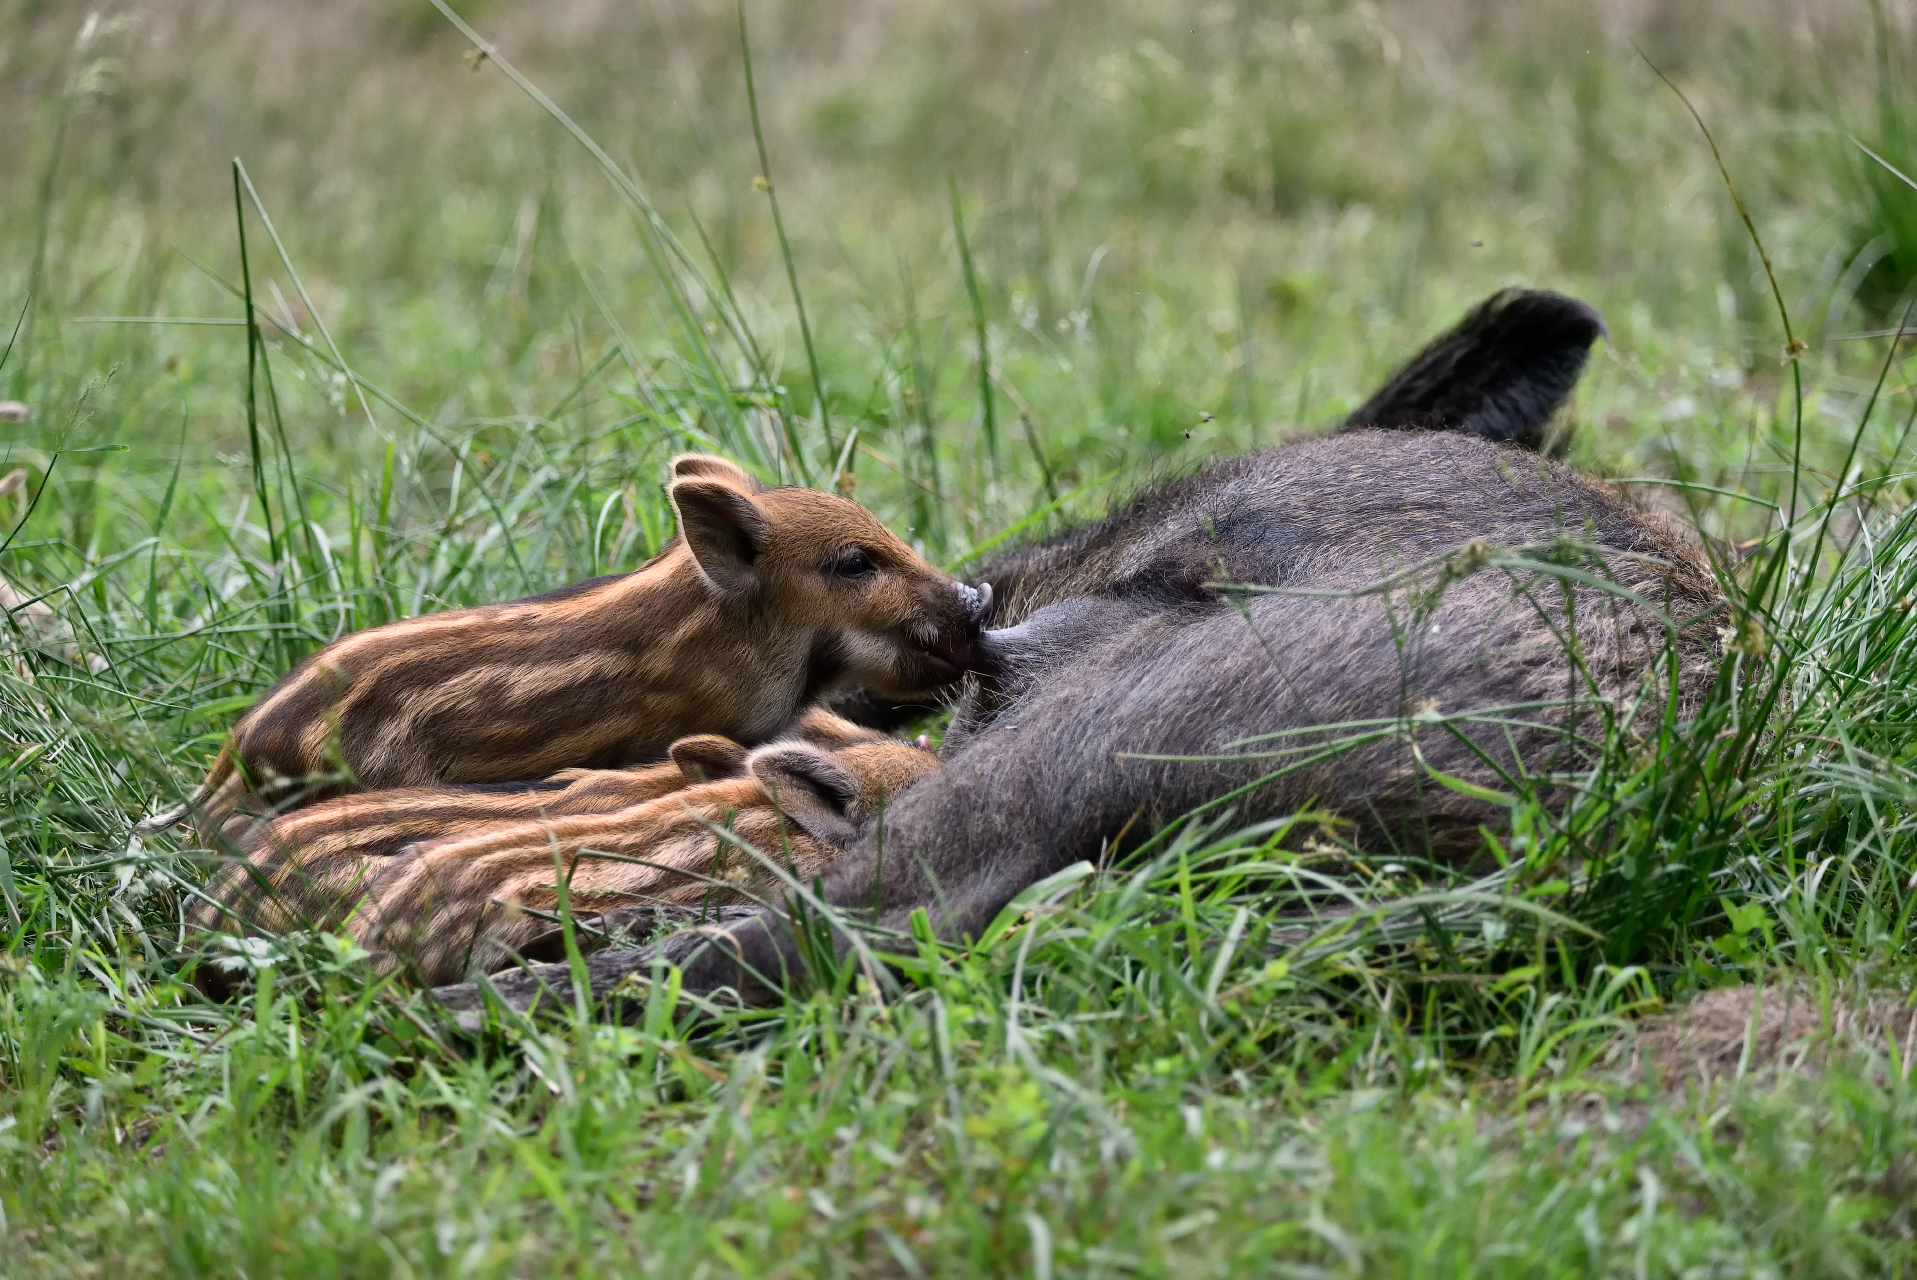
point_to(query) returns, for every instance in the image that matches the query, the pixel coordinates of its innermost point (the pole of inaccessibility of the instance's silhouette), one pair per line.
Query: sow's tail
(1500, 372)
(222, 777)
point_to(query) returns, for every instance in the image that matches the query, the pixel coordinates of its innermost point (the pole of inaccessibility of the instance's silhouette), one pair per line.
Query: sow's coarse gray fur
(1124, 659)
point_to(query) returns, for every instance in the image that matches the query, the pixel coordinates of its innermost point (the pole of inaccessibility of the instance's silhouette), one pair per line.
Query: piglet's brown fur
(455, 903)
(766, 599)
(380, 824)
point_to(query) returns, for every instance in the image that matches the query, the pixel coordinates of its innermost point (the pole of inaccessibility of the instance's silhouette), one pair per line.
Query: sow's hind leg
(1055, 772)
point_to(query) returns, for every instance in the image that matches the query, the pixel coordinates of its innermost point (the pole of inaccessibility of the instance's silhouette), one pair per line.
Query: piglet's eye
(854, 562)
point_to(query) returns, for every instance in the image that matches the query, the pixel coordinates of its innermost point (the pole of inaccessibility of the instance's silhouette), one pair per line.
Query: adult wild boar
(1136, 683)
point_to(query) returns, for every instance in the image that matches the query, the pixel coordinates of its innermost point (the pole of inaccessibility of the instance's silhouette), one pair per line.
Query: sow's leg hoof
(517, 989)
(549, 986)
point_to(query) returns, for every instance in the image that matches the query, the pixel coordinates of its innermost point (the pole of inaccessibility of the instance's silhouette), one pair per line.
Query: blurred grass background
(1190, 230)
(1193, 227)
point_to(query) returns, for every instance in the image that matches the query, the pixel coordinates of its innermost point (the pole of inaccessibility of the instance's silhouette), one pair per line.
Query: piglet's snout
(977, 603)
(953, 640)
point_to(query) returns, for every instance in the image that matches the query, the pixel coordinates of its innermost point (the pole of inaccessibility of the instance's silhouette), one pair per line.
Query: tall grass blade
(987, 408)
(791, 268)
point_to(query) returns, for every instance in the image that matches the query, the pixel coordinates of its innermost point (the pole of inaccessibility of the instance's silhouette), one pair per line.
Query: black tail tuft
(1500, 372)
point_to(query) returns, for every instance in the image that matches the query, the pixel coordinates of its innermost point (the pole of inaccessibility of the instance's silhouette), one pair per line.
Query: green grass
(1173, 235)
(1872, 168)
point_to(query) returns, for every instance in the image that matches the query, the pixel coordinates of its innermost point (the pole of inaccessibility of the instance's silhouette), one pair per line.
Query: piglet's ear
(725, 530)
(811, 789)
(709, 466)
(707, 757)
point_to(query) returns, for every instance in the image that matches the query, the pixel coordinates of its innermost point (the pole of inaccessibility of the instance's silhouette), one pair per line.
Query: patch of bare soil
(1735, 1033)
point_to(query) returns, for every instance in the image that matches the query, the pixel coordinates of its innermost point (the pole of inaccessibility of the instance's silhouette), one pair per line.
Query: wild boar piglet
(475, 896)
(314, 854)
(767, 599)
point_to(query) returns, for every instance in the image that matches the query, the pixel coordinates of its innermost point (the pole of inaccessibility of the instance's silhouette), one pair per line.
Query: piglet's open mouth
(956, 654)
(959, 652)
